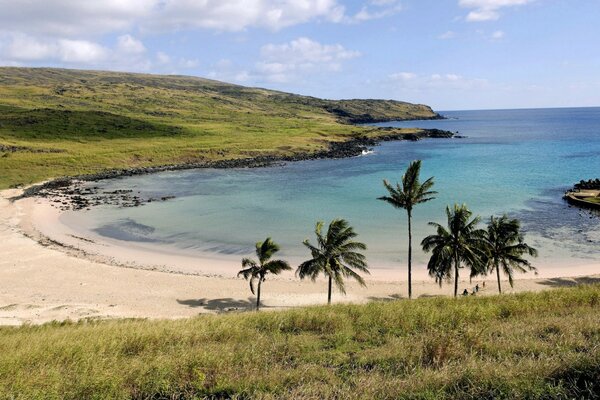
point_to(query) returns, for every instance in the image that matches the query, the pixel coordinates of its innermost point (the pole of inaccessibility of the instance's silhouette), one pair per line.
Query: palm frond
(276, 266)
(335, 254)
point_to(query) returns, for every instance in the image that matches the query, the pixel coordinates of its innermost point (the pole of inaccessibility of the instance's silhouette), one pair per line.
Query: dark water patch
(127, 230)
(217, 248)
(567, 226)
(583, 154)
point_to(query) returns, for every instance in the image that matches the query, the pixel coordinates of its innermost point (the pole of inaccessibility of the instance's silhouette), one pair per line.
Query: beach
(44, 276)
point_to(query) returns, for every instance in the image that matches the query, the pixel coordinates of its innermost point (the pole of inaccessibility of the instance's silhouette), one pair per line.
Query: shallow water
(514, 161)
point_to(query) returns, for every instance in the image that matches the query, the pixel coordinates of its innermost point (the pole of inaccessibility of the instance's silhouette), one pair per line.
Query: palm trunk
(456, 266)
(409, 256)
(258, 295)
(329, 291)
(498, 275)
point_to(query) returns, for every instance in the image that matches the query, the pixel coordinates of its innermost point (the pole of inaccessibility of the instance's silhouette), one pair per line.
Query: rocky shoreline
(70, 192)
(585, 194)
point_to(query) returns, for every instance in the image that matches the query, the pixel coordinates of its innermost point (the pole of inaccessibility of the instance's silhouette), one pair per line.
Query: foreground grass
(56, 122)
(544, 345)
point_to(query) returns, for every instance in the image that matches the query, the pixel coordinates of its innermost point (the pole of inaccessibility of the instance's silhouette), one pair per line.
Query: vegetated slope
(55, 121)
(544, 345)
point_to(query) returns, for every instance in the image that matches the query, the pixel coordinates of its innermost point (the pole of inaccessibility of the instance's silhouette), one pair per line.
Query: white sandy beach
(50, 272)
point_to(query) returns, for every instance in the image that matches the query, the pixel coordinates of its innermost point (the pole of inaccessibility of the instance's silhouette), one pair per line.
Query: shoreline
(344, 149)
(42, 280)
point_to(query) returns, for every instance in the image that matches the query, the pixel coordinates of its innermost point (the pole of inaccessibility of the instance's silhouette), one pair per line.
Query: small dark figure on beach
(483, 285)
(477, 288)
(465, 292)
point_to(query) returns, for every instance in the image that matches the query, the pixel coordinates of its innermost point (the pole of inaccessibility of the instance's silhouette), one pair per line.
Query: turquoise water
(514, 161)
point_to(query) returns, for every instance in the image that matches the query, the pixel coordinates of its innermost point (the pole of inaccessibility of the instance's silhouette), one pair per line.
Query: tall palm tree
(336, 255)
(506, 248)
(257, 271)
(411, 193)
(461, 243)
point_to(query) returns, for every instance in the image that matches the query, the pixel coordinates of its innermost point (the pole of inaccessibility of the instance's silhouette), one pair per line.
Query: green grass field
(56, 122)
(537, 346)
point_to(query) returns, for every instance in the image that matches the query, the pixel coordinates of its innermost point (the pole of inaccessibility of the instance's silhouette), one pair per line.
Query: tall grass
(544, 345)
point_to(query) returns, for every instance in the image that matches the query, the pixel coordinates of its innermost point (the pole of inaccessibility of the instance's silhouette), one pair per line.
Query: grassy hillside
(57, 122)
(544, 345)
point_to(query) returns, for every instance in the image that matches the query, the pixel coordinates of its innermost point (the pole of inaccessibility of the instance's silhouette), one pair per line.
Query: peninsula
(585, 194)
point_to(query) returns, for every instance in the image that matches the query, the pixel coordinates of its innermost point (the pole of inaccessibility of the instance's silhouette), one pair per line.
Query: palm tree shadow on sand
(391, 297)
(219, 305)
(566, 282)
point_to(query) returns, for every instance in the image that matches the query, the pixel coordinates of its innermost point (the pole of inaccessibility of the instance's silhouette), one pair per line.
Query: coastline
(42, 278)
(344, 149)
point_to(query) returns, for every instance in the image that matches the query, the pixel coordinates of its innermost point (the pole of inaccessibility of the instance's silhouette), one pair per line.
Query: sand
(50, 272)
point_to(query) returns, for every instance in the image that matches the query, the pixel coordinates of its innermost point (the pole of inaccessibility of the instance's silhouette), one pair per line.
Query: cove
(514, 161)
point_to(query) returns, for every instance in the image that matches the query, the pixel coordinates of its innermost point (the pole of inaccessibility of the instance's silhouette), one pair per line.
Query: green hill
(57, 122)
(526, 346)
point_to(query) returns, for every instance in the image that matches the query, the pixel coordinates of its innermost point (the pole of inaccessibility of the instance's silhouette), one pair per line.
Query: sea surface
(518, 162)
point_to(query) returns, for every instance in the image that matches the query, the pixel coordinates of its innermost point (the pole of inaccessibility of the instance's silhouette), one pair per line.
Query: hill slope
(56, 122)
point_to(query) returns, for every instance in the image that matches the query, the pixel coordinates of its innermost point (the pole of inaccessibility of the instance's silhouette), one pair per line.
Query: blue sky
(450, 54)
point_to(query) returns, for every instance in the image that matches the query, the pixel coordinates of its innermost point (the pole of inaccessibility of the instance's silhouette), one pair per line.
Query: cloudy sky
(451, 54)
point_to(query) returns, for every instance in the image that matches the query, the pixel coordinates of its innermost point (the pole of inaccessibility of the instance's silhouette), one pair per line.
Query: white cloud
(237, 15)
(488, 10)
(81, 51)
(403, 76)
(72, 17)
(77, 18)
(305, 50)
(282, 62)
(376, 9)
(226, 70)
(163, 58)
(27, 48)
(447, 35)
(287, 62)
(129, 44)
(127, 53)
(413, 82)
(497, 35)
(189, 63)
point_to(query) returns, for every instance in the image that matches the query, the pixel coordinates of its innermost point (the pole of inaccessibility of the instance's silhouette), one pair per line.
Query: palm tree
(411, 193)
(506, 248)
(462, 243)
(258, 271)
(336, 255)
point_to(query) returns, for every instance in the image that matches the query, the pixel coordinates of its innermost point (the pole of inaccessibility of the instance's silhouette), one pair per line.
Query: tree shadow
(567, 282)
(220, 305)
(392, 297)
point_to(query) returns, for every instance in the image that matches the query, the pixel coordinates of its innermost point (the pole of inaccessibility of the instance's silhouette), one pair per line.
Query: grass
(544, 345)
(67, 122)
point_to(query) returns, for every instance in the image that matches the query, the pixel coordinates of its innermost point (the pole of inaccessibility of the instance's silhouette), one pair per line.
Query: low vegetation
(544, 345)
(56, 122)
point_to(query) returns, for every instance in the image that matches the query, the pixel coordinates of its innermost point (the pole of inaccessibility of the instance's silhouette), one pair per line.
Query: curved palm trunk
(456, 266)
(258, 295)
(409, 256)
(498, 275)
(329, 290)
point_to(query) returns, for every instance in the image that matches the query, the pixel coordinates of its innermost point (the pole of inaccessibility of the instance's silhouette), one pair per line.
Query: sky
(450, 54)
